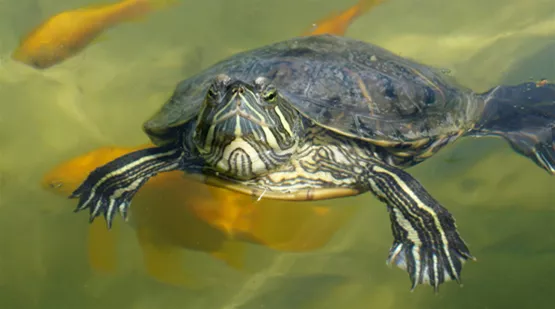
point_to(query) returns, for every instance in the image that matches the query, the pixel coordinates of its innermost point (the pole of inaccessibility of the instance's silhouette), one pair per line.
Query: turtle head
(246, 129)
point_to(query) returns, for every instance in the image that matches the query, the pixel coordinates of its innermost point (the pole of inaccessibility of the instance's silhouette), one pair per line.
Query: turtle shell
(351, 87)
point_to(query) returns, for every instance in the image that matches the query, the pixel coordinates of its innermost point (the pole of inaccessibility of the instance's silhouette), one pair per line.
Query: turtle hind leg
(111, 187)
(426, 241)
(524, 115)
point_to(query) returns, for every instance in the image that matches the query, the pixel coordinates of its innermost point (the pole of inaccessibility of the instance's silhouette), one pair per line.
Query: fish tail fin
(232, 253)
(162, 262)
(364, 6)
(337, 23)
(524, 115)
(138, 10)
(102, 247)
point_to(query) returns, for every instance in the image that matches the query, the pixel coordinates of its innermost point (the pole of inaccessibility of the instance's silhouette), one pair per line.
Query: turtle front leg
(426, 241)
(111, 187)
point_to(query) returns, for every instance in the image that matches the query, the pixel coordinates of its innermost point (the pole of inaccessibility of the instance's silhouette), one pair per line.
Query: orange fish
(161, 229)
(204, 218)
(337, 23)
(64, 35)
(168, 218)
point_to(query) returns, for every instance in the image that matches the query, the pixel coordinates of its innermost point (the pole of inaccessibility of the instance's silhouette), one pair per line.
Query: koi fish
(167, 218)
(230, 219)
(337, 23)
(64, 35)
(158, 232)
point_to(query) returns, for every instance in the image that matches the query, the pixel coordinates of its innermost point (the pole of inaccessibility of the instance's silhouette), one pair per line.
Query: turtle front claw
(426, 242)
(111, 187)
(428, 264)
(104, 199)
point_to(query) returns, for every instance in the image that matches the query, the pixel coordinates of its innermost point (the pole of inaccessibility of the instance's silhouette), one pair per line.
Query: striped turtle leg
(426, 241)
(111, 187)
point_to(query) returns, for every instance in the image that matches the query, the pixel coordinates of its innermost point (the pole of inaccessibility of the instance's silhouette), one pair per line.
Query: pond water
(502, 202)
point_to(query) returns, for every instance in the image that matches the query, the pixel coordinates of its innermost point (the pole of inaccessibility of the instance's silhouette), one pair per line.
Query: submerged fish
(337, 23)
(64, 35)
(168, 218)
(160, 218)
(172, 212)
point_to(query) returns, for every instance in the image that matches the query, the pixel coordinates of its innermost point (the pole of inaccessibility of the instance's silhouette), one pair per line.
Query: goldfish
(66, 34)
(204, 218)
(167, 219)
(337, 23)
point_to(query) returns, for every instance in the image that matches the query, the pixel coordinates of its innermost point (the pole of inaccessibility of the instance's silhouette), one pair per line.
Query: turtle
(324, 116)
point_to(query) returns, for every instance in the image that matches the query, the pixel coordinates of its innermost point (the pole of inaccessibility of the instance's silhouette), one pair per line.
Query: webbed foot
(432, 259)
(111, 187)
(426, 241)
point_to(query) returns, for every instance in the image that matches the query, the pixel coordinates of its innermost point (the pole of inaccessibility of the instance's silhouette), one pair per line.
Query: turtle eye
(212, 94)
(270, 95)
(211, 97)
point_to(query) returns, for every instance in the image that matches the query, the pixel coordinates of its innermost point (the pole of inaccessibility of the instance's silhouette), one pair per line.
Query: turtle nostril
(238, 90)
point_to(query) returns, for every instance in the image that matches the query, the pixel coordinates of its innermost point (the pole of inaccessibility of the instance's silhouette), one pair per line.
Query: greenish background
(503, 203)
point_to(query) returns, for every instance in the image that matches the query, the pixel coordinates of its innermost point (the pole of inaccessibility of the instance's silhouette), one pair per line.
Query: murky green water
(503, 203)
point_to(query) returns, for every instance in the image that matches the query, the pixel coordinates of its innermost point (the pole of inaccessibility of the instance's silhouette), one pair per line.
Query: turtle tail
(524, 115)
